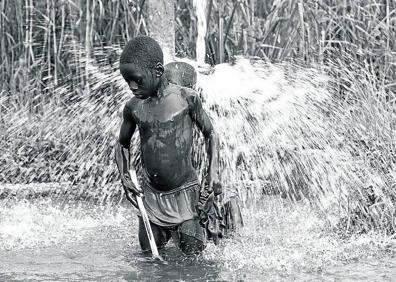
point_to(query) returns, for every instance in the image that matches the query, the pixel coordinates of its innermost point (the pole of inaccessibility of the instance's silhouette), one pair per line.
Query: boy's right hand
(130, 186)
(131, 198)
(131, 191)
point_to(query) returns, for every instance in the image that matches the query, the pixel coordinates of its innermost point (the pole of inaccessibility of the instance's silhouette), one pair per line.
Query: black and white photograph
(197, 140)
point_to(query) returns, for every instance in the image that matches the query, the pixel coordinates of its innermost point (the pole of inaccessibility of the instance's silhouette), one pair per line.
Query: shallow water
(44, 241)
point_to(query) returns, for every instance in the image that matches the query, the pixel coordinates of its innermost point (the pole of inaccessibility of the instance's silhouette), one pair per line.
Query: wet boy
(164, 114)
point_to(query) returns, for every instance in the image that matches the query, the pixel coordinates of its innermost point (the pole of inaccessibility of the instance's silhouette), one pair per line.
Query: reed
(316, 30)
(36, 37)
(35, 34)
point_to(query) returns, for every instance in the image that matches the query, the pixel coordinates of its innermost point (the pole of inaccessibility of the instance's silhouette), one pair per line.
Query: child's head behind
(141, 65)
(182, 74)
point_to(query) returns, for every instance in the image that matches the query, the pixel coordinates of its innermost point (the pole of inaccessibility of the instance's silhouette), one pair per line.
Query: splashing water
(41, 241)
(279, 120)
(282, 133)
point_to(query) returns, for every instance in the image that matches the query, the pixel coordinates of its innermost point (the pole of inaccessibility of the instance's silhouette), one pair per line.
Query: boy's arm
(200, 117)
(122, 155)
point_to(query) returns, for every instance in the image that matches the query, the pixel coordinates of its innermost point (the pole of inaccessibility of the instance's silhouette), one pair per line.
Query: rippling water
(42, 240)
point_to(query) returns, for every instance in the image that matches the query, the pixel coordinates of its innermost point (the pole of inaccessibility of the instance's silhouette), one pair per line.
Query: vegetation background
(53, 53)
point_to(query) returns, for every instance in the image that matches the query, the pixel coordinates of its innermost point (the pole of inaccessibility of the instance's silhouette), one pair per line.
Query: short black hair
(143, 51)
(181, 73)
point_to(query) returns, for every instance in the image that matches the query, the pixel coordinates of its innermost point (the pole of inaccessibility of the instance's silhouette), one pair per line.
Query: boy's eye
(139, 81)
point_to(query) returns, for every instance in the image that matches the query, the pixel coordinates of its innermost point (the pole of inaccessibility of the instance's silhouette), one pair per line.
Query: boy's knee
(190, 245)
(161, 236)
(191, 237)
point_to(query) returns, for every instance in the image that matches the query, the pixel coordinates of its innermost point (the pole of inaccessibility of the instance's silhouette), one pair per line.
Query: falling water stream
(280, 133)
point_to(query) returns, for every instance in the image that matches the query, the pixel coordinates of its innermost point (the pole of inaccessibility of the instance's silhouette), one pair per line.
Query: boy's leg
(232, 216)
(161, 235)
(191, 237)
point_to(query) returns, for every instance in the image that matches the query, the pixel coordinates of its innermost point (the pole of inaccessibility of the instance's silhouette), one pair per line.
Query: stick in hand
(146, 221)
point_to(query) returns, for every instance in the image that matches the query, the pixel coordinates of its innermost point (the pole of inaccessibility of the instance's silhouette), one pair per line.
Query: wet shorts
(173, 214)
(171, 208)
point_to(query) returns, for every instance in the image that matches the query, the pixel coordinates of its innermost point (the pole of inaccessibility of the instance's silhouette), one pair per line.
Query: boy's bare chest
(168, 111)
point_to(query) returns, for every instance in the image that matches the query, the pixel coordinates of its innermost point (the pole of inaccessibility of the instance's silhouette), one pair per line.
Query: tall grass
(316, 31)
(36, 35)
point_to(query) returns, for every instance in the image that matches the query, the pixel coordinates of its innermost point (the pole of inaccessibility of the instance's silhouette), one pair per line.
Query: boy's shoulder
(186, 93)
(130, 108)
(131, 104)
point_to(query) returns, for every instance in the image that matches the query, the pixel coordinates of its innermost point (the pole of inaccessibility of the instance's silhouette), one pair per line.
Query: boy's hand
(131, 191)
(214, 184)
(130, 186)
(131, 198)
(209, 214)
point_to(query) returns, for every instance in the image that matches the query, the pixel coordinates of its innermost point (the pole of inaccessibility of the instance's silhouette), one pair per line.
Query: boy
(164, 114)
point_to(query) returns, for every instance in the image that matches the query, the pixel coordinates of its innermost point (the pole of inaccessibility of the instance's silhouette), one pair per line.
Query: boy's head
(141, 65)
(182, 74)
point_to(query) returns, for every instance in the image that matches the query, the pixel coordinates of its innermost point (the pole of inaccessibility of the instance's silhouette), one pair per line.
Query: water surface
(44, 241)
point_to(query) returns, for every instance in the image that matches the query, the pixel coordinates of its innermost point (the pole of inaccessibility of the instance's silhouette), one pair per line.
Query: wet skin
(165, 121)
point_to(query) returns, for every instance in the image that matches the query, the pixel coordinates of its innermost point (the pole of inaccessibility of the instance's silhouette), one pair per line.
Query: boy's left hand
(214, 184)
(209, 214)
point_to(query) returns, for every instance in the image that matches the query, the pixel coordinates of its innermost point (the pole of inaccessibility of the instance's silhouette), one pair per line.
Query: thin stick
(146, 222)
(145, 218)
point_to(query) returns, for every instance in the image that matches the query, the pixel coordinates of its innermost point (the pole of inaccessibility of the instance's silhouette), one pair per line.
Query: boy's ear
(159, 69)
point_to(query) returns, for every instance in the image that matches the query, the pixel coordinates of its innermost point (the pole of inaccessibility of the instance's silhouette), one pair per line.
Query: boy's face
(143, 82)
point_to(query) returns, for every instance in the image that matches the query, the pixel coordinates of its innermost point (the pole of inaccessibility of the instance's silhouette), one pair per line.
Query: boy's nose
(133, 85)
